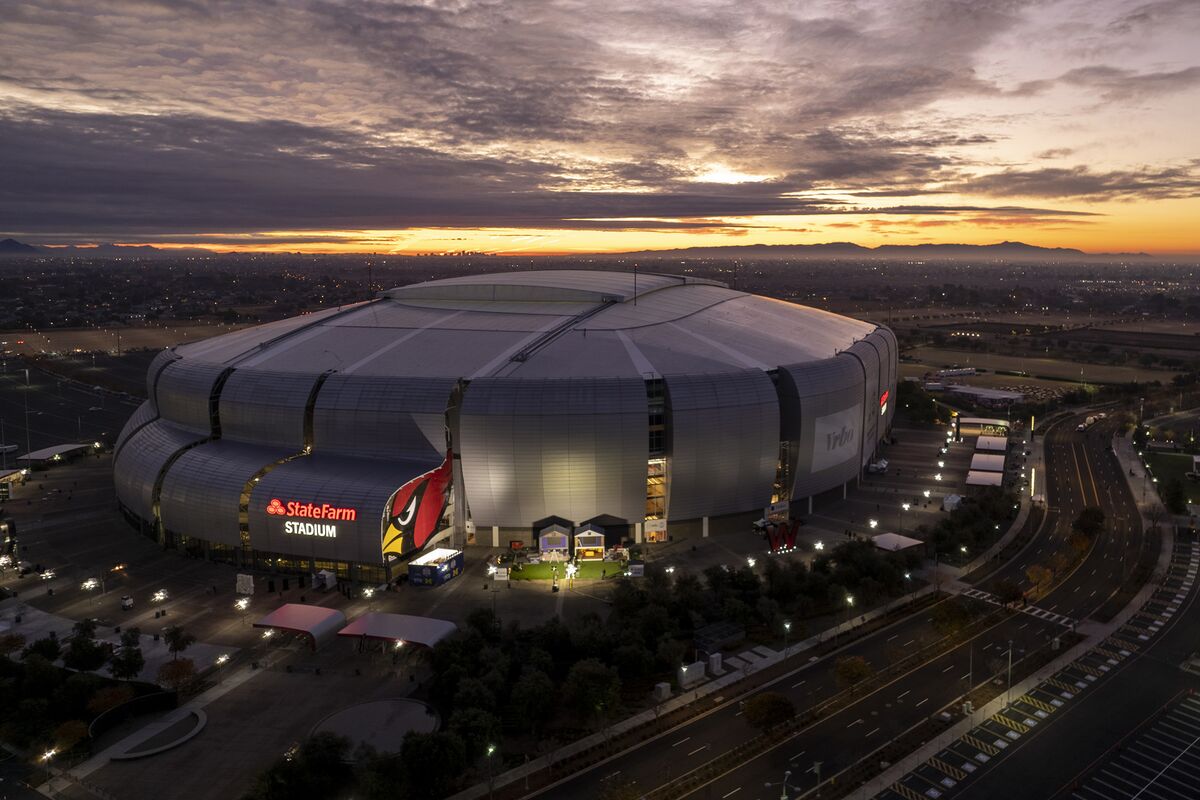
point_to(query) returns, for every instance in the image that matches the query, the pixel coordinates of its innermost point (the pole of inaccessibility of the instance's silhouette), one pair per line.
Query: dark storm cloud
(1082, 182)
(157, 118)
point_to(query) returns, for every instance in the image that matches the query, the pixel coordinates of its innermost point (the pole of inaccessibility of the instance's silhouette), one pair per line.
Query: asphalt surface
(61, 411)
(1081, 472)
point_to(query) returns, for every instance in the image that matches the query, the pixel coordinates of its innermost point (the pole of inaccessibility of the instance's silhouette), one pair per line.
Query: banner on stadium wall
(836, 437)
(415, 510)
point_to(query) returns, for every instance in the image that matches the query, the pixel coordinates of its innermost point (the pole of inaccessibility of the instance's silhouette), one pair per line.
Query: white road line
(735, 791)
(918, 705)
(893, 636)
(698, 749)
(856, 722)
(906, 691)
(801, 683)
(948, 668)
(681, 741)
(793, 758)
(871, 733)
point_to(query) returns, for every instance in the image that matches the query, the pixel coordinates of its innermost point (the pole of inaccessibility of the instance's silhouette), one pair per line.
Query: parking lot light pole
(787, 629)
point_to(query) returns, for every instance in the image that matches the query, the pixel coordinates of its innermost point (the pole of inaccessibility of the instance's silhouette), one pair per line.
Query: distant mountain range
(829, 250)
(1001, 251)
(11, 247)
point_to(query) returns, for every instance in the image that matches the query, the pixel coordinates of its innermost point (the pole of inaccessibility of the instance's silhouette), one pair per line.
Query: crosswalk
(1127, 776)
(1033, 611)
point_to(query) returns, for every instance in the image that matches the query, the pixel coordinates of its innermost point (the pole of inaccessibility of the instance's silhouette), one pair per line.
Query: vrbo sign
(322, 511)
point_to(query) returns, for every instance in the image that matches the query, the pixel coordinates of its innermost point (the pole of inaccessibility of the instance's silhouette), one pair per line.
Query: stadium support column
(704, 527)
(637, 533)
(495, 536)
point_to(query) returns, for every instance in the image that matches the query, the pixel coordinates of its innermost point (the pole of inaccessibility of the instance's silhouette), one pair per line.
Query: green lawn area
(587, 570)
(1166, 466)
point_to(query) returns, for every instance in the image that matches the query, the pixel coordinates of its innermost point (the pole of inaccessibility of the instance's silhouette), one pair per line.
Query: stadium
(484, 409)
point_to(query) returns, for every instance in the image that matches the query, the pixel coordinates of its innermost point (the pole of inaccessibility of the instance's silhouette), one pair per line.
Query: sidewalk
(1095, 633)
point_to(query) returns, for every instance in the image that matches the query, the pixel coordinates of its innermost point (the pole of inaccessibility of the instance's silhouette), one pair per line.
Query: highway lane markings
(793, 758)
(923, 702)
(681, 741)
(893, 636)
(906, 644)
(698, 749)
(872, 733)
(730, 794)
(801, 683)
(856, 722)
(906, 691)
(948, 668)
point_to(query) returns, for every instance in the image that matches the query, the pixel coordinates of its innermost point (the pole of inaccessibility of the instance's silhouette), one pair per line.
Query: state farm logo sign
(322, 511)
(835, 438)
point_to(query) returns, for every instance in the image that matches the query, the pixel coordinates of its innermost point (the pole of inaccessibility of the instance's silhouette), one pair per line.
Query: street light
(941, 465)
(159, 596)
(750, 562)
(241, 604)
(937, 477)
(903, 508)
(787, 628)
(874, 523)
(926, 493)
(818, 545)
(572, 568)
(491, 748)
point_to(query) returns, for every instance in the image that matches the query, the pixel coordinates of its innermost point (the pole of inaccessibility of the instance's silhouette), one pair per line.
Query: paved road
(1081, 472)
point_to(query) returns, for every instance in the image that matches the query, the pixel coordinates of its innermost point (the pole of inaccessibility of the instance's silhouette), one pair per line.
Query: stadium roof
(553, 323)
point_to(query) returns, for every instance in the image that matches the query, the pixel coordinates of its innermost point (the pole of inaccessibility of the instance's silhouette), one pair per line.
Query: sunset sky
(532, 126)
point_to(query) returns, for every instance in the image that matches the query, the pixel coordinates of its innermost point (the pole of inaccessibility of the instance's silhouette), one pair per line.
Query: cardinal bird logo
(416, 508)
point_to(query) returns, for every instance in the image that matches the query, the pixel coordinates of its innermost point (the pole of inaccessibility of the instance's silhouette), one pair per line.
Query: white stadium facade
(483, 409)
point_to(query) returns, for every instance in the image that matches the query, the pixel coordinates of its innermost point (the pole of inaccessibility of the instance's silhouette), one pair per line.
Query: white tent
(996, 444)
(981, 478)
(317, 622)
(894, 542)
(426, 631)
(986, 462)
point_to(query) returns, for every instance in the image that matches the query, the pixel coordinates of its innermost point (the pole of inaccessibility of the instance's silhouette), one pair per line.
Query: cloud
(158, 119)
(1081, 182)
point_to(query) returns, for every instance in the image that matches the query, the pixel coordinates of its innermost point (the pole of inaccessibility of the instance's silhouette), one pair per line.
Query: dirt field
(91, 340)
(1036, 367)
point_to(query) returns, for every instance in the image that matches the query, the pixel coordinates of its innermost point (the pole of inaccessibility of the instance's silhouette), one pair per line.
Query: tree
(477, 729)
(83, 652)
(11, 643)
(950, 617)
(1007, 591)
(177, 640)
(768, 709)
(69, 734)
(48, 648)
(109, 697)
(127, 660)
(474, 693)
(532, 699)
(433, 762)
(849, 671)
(317, 766)
(1090, 522)
(177, 673)
(1039, 576)
(1174, 496)
(592, 690)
